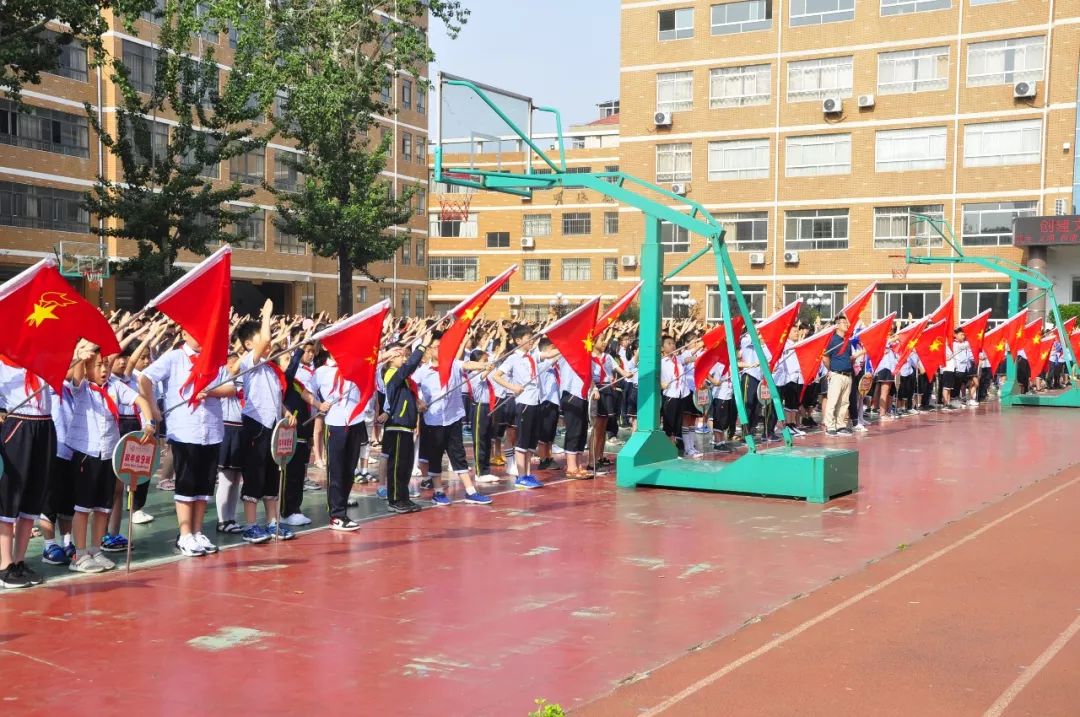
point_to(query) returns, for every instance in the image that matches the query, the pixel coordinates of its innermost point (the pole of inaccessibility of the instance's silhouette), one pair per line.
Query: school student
(549, 410)
(573, 400)
(674, 392)
(722, 407)
(92, 435)
(58, 502)
(402, 414)
(483, 425)
(230, 454)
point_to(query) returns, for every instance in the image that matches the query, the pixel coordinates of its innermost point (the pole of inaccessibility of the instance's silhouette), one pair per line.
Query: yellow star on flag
(40, 314)
(912, 344)
(469, 313)
(935, 344)
(1001, 345)
(588, 342)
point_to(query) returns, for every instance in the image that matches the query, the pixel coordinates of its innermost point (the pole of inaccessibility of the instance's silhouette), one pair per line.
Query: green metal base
(1069, 398)
(816, 474)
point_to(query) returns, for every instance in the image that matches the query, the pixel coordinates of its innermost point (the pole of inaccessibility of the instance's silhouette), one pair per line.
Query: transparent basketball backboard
(82, 259)
(470, 131)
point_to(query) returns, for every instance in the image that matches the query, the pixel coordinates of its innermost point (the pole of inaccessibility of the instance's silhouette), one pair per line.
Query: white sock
(226, 494)
(67, 539)
(49, 542)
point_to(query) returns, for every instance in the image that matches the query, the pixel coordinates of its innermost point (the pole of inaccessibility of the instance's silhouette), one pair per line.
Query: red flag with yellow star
(773, 331)
(931, 347)
(809, 353)
(873, 339)
(1036, 346)
(573, 337)
(1014, 331)
(354, 344)
(995, 343)
(464, 313)
(975, 331)
(854, 308)
(42, 319)
(714, 350)
(1074, 342)
(907, 340)
(614, 311)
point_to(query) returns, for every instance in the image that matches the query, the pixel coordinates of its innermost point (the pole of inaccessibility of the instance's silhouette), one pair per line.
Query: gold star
(1001, 345)
(588, 342)
(935, 344)
(41, 314)
(469, 313)
(912, 344)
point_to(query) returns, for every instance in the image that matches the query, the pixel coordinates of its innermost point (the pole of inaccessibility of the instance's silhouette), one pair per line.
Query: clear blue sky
(562, 53)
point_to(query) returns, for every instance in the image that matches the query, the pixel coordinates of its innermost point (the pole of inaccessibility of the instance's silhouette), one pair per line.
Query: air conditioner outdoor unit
(528, 243)
(680, 188)
(515, 301)
(662, 119)
(629, 261)
(832, 105)
(757, 258)
(791, 257)
(1024, 89)
(866, 100)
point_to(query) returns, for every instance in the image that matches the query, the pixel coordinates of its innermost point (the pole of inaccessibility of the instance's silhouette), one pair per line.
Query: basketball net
(93, 277)
(452, 209)
(900, 271)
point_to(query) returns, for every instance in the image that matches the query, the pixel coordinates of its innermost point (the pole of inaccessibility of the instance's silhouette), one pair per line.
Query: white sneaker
(297, 519)
(488, 478)
(189, 546)
(973, 402)
(104, 562)
(141, 517)
(85, 564)
(203, 542)
(557, 449)
(416, 473)
(860, 428)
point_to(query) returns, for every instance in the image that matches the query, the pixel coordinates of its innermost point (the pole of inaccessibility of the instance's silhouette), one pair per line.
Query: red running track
(562, 593)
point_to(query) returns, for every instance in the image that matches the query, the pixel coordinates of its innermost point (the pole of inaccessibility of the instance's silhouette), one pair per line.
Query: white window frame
(732, 222)
(844, 10)
(825, 299)
(467, 228)
(1021, 59)
(891, 8)
(674, 91)
(753, 293)
(980, 289)
(911, 149)
(674, 239)
(536, 225)
(998, 144)
(833, 77)
(738, 159)
(752, 85)
(890, 297)
(535, 269)
(928, 68)
(833, 152)
(1005, 238)
(758, 16)
(674, 162)
(679, 32)
(810, 220)
(899, 230)
(668, 308)
(468, 265)
(575, 269)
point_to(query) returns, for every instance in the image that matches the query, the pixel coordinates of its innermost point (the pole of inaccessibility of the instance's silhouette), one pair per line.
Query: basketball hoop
(453, 209)
(899, 267)
(93, 277)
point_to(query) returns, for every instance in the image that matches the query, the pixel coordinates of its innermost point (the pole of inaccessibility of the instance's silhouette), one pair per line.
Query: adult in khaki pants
(838, 359)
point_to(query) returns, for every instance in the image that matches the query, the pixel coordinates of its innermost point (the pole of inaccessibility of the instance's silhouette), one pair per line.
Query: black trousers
(926, 389)
(483, 429)
(342, 455)
(398, 446)
(984, 383)
(295, 471)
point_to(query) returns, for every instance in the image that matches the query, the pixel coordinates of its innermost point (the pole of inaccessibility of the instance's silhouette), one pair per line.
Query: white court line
(1033, 669)
(836, 609)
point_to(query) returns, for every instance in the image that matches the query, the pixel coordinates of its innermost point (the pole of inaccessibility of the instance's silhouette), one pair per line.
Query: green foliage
(1068, 311)
(28, 49)
(334, 60)
(543, 709)
(162, 200)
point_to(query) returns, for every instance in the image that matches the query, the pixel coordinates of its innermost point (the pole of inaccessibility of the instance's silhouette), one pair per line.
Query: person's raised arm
(260, 344)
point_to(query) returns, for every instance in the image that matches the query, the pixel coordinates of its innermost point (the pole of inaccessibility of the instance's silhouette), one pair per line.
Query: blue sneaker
(477, 499)
(255, 534)
(440, 498)
(527, 481)
(381, 492)
(276, 532)
(113, 543)
(69, 551)
(54, 555)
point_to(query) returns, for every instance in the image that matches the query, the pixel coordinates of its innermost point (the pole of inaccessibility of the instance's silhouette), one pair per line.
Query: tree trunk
(345, 271)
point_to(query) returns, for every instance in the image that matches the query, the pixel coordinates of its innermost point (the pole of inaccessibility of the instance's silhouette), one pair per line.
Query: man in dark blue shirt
(838, 359)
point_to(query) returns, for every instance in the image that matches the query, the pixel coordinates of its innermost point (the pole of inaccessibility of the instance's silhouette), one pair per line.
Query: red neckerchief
(108, 399)
(240, 396)
(603, 374)
(284, 382)
(675, 362)
(31, 382)
(193, 402)
(532, 365)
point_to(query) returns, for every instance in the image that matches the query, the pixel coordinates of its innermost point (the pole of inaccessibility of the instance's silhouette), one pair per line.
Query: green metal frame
(649, 457)
(1017, 274)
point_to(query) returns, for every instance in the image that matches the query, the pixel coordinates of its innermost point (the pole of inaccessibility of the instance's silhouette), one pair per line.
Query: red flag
(714, 349)
(200, 301)
(994, 345)
(1069, 325)
(773, 331)
(931, 348)
(1038, 351)
(464, 313)
(908, 339)
(1074, 342)
(573, 337)
(975, 331)
(614, 311)
(42, 319)
(809, 353)
(1013, 329)
(354, 344)
(873, 339)
(945, 313)
(854, 308)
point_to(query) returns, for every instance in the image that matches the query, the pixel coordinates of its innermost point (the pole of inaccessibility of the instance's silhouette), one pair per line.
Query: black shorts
(608, 403)
(435, 441)
(261, 473)
(689, 408)
(28, 447)
(549, 422)
(810, 395)
(94, 483)
(907, 387)
(528, 424)
(577, 423)
(59, 499)
(671, 415)
(948, 379)
(884, 375)
(506, 413)
(196, 468)
(127, 424)
(789, 392)
(631, 400)
(231, 454)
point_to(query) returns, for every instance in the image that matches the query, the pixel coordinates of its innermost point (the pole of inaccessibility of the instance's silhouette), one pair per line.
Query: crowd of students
(508, 396)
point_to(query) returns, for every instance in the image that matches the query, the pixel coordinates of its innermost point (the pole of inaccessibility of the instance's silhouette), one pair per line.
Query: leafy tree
(336, 57)
(28, 48)
(164, 199)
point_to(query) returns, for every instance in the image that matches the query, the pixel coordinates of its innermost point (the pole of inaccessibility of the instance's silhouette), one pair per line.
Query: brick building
(49, 156)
